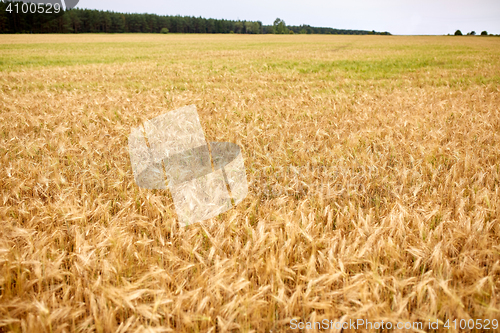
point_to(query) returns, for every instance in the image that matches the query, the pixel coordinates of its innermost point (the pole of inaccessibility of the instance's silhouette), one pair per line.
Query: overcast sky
(401, 17)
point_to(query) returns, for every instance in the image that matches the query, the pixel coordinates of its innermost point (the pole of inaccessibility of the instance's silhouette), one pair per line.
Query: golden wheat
(373, 164)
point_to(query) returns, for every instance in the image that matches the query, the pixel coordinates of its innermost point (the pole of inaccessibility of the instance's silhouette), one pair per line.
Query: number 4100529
(32, 8)
(484, 324)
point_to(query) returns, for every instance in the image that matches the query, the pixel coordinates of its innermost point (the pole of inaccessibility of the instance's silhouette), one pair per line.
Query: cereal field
(373, 165)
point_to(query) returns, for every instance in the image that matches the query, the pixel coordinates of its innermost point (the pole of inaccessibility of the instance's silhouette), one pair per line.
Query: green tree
(3, 18)
(458, 33)
(257, 27)
(249, 28)
(164, 30)
(75, 20)
(118, 22)
(280, 26)
(106, 21)
(484, 33)
(238, 27)
(211, 26)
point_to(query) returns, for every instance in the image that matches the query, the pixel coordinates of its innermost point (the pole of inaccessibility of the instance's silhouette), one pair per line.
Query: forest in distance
(21, 19)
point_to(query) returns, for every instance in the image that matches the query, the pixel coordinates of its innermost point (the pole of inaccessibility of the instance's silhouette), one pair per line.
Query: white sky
(399, 17)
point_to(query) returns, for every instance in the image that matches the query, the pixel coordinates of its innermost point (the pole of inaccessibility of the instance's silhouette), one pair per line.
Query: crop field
(373, 165)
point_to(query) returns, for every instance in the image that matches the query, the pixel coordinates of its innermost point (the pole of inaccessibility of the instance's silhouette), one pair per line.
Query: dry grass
(374, 176)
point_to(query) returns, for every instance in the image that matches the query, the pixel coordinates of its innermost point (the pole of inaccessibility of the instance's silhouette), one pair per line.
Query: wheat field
(373, 165)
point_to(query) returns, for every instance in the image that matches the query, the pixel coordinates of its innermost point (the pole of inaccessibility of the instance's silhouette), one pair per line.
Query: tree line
(279, 27)
(473, 33)
(96, 21)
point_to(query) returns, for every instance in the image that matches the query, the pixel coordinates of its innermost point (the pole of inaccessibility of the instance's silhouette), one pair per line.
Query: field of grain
(374, 183)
